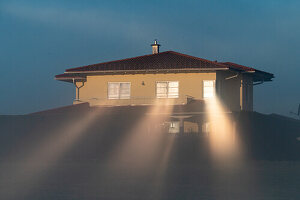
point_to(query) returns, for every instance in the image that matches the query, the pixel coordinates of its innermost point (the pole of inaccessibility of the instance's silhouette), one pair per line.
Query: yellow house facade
(143, 88)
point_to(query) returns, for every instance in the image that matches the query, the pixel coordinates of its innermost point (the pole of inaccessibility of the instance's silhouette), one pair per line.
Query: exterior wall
(247, 92)
(228, 89)
(190, 127)
(143, 88)
(235, 90)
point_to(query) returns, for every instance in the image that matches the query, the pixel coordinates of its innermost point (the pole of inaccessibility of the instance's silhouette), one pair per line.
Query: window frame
(167, 95)
(119, 91)
(214, 89)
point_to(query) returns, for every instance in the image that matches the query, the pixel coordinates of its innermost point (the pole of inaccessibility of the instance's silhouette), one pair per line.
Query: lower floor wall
(203, 127)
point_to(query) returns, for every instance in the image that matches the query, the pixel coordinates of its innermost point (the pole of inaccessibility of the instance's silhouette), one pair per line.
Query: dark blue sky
(39, 39)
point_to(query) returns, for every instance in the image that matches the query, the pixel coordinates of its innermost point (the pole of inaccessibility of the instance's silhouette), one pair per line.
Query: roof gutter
(70, 78)
(231, 77)
(258, 83)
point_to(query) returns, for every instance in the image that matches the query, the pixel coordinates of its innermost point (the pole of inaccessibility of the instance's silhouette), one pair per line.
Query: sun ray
(223, 139)
(141, 145)
(35, 163)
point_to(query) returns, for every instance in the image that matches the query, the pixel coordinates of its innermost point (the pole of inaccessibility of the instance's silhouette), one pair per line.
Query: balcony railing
(181, 100)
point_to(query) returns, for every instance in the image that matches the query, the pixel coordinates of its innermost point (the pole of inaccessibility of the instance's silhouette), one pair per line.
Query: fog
(127, 153)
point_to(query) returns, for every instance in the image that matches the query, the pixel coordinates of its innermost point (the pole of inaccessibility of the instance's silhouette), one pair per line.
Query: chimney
(155, 47)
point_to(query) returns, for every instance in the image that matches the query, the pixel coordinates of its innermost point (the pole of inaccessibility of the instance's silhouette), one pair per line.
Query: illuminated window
(208, 89)
(206, 127)
(118, 90)
(167, 89)
(174, 127)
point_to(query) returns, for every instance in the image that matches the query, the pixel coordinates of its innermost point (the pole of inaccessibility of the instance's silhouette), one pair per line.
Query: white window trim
(119, 91)
(214, 81)
(167, 91)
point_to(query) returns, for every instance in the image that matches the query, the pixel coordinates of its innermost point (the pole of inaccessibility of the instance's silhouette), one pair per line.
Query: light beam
(30, 171)
(140, 147)
(223, 139)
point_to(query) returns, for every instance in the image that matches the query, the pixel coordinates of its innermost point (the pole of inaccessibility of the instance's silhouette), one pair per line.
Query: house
(162, 76)
(141, 80)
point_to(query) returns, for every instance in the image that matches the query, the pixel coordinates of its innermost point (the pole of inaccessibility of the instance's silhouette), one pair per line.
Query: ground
(109, 155)
(268, 180)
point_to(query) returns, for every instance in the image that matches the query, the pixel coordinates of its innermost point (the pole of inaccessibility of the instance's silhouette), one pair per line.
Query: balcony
(135, 101)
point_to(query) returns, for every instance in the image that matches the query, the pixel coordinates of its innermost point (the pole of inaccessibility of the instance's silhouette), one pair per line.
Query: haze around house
(42, 39)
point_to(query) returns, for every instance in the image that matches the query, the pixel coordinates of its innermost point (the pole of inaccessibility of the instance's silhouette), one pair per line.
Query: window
(174, 127)
(167, 89)
(118, 90)
(206, 127)
(208, 89)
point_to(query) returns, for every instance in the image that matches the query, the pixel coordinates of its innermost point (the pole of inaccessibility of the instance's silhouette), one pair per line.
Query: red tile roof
(168, 60)
(164, 60)
(237, 66)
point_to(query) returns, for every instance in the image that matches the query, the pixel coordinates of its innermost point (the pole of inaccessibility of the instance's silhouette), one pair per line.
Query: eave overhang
(80, 76)
(258, 75)
(71, 78)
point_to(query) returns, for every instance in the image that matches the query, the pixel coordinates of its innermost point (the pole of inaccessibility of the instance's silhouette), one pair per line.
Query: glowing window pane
(167, 89)
(206, 127)
(161, 92)
(162, 84)
(113, 90)
(124, 90)
(118, 90)
(173, 84)
(173, 90)
(208, 83)
(208, 89)
(174, 127)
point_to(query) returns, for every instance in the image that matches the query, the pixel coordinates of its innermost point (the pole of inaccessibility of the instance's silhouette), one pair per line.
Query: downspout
(78, 87)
